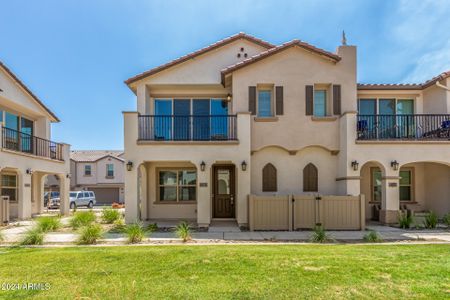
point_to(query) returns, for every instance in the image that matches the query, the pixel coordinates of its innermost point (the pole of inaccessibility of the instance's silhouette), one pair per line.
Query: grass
(47, 224)
(110, 215)
(33, 236)
(231, 272)
(319, 235)
(431, 220)
(82, 218)
(135, 233)
(372, 237)
(90, 234)
(405, 219)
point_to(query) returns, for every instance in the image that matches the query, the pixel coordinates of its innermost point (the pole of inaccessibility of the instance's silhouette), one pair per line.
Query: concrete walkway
(224, 234)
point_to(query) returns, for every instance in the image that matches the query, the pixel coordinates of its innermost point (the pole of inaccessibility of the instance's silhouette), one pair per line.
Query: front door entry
(224, 192)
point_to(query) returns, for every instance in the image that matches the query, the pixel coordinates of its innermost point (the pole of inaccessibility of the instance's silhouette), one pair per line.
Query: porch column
(40, 194)
(390, 198)
(131, 195)
(24, 196)
(64, 189)
(204, 195)
(143, 194)
(37, 187)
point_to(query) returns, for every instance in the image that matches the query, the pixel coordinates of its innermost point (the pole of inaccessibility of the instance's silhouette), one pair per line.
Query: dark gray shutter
(309, 99)
(269, 175)
(279, 100)
(337, 99)
(252, 99)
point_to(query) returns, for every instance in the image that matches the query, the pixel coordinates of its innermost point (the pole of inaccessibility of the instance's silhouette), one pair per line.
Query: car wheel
(73, 205)
(91, 204)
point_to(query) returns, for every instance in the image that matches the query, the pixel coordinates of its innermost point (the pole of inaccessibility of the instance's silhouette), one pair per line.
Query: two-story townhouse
(27, 155)
(243, 116)
(100, 171)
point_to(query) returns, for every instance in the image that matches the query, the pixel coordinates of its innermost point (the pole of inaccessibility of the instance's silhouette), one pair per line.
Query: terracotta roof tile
(189, 56)
(94, 155)
(404, 86)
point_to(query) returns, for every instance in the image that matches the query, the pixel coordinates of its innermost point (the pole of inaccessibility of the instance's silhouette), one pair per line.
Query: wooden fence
(292, 212)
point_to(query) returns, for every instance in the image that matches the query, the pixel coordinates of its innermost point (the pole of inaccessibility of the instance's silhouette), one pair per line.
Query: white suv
(82, 198)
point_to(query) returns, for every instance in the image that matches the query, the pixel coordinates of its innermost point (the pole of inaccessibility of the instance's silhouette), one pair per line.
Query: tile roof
(404, 86)
(15, 78)
(94, 155)
(274, 50)
(189, 56)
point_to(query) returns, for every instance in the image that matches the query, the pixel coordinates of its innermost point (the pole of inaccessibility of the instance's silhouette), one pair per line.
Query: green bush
(183, 231)
(135, 232)
(82, 218)
(320, 235)
(431, 220)
(2, 236)
(152, 227)
(34, 236)
(89, 234)
(372, 237)
(110, 215)
(405, 219)
(47, 224)
(446, 219)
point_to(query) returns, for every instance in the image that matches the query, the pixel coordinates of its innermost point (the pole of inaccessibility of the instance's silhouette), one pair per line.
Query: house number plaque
(392, 184)
(203, 184)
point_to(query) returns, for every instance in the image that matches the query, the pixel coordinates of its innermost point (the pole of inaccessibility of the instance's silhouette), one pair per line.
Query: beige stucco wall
(437, 188)
(436, 100)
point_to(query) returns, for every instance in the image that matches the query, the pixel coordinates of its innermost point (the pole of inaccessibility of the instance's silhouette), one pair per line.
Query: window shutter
(309, 98)
(269, 178)
(279, 100)
(337, 99)
(310, 178)
(252, 99)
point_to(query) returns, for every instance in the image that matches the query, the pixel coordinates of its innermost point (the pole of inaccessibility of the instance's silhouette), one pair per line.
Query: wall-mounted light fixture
(129, 165)
(68, 175)
(355, 165)
(244, 165)
(29, 171)
(394, 165)
(229, 97)
(202, 166)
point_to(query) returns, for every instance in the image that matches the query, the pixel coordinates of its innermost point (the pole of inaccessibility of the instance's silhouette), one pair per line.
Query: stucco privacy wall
(293, 69)
(290, 170)
(437, 100)
(195, 153)
(437, 188)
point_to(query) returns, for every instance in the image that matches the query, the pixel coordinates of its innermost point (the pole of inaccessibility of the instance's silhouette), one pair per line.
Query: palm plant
(183, 231)
(320, 235)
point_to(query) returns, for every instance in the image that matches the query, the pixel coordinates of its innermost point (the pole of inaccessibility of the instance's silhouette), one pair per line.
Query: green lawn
(231, 272)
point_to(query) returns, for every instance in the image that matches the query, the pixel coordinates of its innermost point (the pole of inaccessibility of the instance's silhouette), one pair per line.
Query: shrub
(446, 219)
(372, 237)
(47, 224)
(82, 218)
(110, 215)
(320, 235)
(2, 236)
(34, 236)
(89, 234)
(431, 220)
(405, 219)
(152, 227)
(135, 232)
(183, 231)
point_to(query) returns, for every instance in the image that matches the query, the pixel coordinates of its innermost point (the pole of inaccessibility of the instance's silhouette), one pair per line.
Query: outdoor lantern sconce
(355, 165)
(202, 166)
(129, 165)
(394, 165)
(244, 165)
(68, 175)
(229, 97)
(29, 171)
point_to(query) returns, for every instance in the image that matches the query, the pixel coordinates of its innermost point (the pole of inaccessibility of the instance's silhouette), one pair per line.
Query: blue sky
(75, 55)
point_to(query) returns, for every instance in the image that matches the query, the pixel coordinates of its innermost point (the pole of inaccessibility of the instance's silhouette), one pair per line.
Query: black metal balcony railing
(403, 127)
(23, 142)
(187, 128)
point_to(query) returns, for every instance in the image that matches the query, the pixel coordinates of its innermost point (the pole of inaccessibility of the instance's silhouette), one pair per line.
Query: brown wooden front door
(224, 192)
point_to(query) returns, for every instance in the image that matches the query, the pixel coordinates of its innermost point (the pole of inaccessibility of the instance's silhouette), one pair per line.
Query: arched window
(310, 178)
(269, 178)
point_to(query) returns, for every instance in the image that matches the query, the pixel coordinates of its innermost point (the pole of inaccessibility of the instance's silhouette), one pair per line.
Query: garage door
(106, 195)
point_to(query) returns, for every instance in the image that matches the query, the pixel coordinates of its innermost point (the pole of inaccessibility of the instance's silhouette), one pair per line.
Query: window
(1, 116)
(264, 103)
(8, 186)
(109, 170)
(86, 194)
(376, 184)
(269, 178)
(310, 178)
(406, 185)
(320, 103)
(177, 185)
(11, 121)
(87, 170)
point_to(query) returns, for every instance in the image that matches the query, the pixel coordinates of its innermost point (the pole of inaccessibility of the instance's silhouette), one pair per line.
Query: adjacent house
(100, 171)
(243, 116)
(27, 154)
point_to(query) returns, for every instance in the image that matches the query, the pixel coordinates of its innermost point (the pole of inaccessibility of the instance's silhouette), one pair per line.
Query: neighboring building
(27, 155)
(243, 116)
(100, 171)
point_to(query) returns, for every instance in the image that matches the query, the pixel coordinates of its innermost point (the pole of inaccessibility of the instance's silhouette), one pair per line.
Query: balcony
(403, 127)
(21, 142)
(187, 128)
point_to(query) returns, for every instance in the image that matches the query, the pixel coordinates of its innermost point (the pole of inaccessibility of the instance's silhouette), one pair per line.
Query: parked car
(51, 199)
(82, 198)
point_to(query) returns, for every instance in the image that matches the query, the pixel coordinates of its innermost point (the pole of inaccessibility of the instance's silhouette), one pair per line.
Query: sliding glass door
(201, 112)
(181, 112)
(163, 119)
